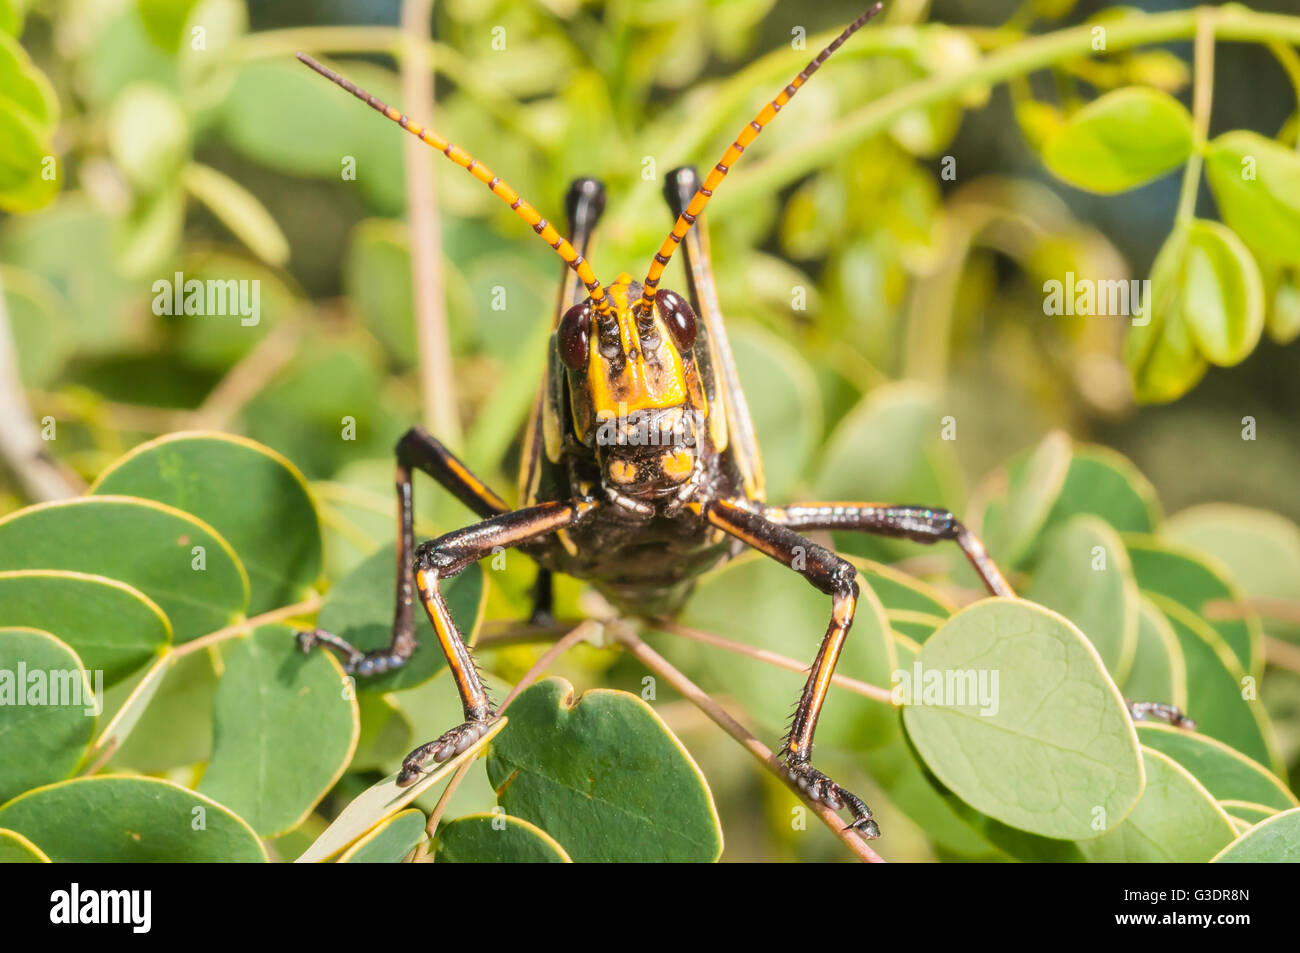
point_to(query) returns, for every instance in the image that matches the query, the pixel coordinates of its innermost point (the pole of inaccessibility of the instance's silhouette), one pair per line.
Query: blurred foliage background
(859, 270)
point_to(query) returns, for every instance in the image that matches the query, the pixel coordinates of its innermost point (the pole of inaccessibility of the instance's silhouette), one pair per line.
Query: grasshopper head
(630, 369)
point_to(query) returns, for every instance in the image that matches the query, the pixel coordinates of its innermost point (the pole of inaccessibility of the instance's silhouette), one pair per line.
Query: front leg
(837, 578)
(443, 558)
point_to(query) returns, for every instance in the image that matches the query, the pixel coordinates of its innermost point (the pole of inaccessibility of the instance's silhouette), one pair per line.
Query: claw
(819, 788)
(452, 742)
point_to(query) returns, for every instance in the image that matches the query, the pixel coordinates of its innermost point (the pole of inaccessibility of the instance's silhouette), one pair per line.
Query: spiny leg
(421, 451)
(442, 559)
(925, 524)
(921, 524)
(837, 578)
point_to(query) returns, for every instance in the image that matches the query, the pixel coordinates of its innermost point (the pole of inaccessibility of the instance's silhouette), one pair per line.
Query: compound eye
(679, 318)
(574, 336)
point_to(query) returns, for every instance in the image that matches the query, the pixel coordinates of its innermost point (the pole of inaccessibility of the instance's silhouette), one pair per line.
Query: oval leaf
(17, 849)
(1121, 140)
(389, 842)
(604, 776)
(130, 820)
(1226, 773)
(1256, 184)
(255, 498)
(1054, 742)
(47, 710)
(1273, 841)
(153, 547)
(496, 839)
(290, 714)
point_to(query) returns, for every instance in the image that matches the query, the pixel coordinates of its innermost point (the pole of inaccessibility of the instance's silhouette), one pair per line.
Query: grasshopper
(640, 467)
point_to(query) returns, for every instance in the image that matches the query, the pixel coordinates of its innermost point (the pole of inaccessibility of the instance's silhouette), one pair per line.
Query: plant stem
(437, 383)
(866, 689)
(306, 606)
(719, 716)
(1026, 56)
(1202, 97)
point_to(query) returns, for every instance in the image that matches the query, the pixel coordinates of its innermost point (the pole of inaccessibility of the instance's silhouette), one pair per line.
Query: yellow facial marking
(639, 384)
(677, 464)
(622, 472)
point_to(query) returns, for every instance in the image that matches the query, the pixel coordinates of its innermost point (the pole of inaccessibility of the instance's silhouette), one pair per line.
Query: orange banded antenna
(549, 234)
(742, 141)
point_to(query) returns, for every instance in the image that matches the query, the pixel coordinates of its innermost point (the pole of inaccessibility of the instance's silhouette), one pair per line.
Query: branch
(693, 693)
(437, 387)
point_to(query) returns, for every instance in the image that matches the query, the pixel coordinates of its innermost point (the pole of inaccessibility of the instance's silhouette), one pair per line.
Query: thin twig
(873, 692)
(692, 692)
(437, 387)
(578, 633)
(243, 381)
(310, 604)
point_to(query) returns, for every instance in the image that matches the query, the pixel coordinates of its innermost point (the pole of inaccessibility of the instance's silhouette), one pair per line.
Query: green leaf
(1056, 743)
(130, 820)
(43, 735)
(1272, 841)
(1216, 687)
(111, 626)
(385, 799)
(23, 151)
(1247, 814)
(1175, 821)
(164, 20)
(1260, 549)
(899, 592)
(1121, 140)
(17, 849)
(1222, 294)
(175, 729)
(239, 210)
(148, 545)
(148, 135)
(496, 839)
(255, 498)
(783, 400)
(389, 842)
(359, 609)
(1011, 505)
(604, 776)
(128, 703)
(1226, 773)
(290, 714)
(25, 88)
(1083, 572)
(1195, 580)
(1161, 355)
(1256, 185)
(763, 604)
(1158, 672)
(1104, 483)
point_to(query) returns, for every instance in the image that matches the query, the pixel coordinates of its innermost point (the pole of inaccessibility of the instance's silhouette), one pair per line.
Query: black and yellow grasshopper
(640, 464)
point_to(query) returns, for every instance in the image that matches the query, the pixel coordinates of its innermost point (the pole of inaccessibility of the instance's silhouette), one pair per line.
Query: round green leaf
(47, 710)
(359, 609)
(1226, 773)
(1104, 483)
(783, 401)
(1256, 184)
(175, 727)
(1053, 744)
(761, 603)
(1246, 813)
(1260, 549)
(147, 545)
(1222, 294)
(17, 849)
(128, 703)
(1175, 821)
(1216, 687)
(1083, 573)
(496, 838)
(1272, 841)
(291, 714)
(148, 135)
(389, 842)
(112, 627)
(1161, 355)
(604, 776)
(1195, 580)
(1121, 140)
(1158, 672)
(255, 498)
(130, 820)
